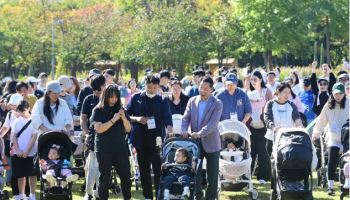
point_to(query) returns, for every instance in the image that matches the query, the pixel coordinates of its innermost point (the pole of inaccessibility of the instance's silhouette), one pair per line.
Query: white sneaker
(347, 183)
(72, 178)
(186, 192)
(166, 194)
(21, 197)
(32, 197)
(262, 181)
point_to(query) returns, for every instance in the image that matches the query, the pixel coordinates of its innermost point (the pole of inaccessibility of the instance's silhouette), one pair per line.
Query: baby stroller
(293, 158)
(167, 155)
(45, 141)
(135, 167)
(234, 166)
(345, 158)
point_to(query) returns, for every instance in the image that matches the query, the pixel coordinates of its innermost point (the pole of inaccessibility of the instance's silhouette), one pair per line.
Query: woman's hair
(131, 80)
(176, 82)
(296, 78)
(10, 87)
(257, 74)
(47, 107)
(23, 106)
(77, 85)
(332, 102)
(283, 86)
(109, 92)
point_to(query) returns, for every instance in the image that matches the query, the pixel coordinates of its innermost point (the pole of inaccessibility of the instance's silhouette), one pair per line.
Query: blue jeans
(170, 179)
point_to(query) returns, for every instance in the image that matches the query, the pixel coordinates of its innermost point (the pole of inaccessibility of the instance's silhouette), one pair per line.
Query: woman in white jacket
(333, 115)
(51, 113)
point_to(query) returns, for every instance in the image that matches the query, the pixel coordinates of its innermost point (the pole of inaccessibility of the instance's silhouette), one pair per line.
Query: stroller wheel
(116, 189)
(5, 195)
(254, 194)
(82, 188)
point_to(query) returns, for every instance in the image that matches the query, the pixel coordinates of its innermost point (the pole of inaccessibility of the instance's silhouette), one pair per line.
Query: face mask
(150, 95)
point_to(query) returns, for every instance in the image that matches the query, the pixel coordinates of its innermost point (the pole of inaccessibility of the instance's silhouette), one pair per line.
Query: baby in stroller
(56, 167)
(178, 173)
(233, 145)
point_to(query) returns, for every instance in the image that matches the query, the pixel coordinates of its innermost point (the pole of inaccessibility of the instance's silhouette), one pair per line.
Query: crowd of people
(112, 114)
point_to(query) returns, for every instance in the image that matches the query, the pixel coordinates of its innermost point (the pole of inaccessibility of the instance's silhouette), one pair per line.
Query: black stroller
(345, 158)
(45, 141)
(292, 165)
(167, 155)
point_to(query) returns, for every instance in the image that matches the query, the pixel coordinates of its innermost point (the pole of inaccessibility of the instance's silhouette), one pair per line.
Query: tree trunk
(268, 60)
(134, 70)
(73, 72)
(327, 35)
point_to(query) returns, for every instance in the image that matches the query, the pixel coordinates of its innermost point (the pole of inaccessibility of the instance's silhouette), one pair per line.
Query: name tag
(234, 116)
(151, 123)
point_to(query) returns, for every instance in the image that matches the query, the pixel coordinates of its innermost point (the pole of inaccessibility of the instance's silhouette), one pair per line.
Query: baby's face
(53, 154)
(231, 146)
(179, 158)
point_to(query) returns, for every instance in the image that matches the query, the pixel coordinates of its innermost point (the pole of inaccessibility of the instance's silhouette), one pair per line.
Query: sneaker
(346, 183)
(331, 192)
(21, 197)
(51, 179)
(186, 193)
(166, 194)
(262, 182)
(32, 197)
(72, 178)
(88, 197)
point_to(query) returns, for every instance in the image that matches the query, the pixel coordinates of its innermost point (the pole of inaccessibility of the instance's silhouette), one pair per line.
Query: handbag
(12, 150)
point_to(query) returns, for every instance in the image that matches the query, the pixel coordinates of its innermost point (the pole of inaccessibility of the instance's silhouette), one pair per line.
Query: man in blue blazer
(200, 121)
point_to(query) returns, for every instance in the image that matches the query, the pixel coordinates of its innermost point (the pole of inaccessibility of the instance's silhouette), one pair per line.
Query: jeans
(212, 175)
(170, 179)
(120, 161)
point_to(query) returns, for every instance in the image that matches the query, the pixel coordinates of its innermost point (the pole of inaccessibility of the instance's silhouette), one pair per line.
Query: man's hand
(195, 135)
(142, 120)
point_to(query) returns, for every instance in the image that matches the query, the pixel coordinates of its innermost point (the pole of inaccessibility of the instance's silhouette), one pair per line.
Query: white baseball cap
(15, 99)
(32, 79)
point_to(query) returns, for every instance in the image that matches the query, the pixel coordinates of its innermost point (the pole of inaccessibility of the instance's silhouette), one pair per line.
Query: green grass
(264, 193)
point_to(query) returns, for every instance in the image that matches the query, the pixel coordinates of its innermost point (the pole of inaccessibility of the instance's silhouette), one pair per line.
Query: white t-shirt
(24, 138)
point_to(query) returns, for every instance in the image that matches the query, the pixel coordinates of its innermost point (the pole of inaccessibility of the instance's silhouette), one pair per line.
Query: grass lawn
(264, 192)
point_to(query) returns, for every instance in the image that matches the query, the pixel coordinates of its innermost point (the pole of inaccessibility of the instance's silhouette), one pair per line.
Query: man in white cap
(33, 87)
(66, 84)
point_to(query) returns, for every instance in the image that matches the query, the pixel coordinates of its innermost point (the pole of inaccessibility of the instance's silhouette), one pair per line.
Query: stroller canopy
(46, 140)
(170, 146)
(229, 128)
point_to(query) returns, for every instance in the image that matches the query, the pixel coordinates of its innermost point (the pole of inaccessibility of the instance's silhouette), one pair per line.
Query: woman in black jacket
(178, 100)
(321, 88)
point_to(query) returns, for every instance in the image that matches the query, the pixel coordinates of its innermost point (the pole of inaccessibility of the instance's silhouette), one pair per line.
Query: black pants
(333, 156)
(147, 157)
(268, 147)
(120, 161)
(212, 175)
(258, 143)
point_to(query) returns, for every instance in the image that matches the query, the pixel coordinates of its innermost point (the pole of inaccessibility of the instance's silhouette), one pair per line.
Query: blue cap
(231, 78)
